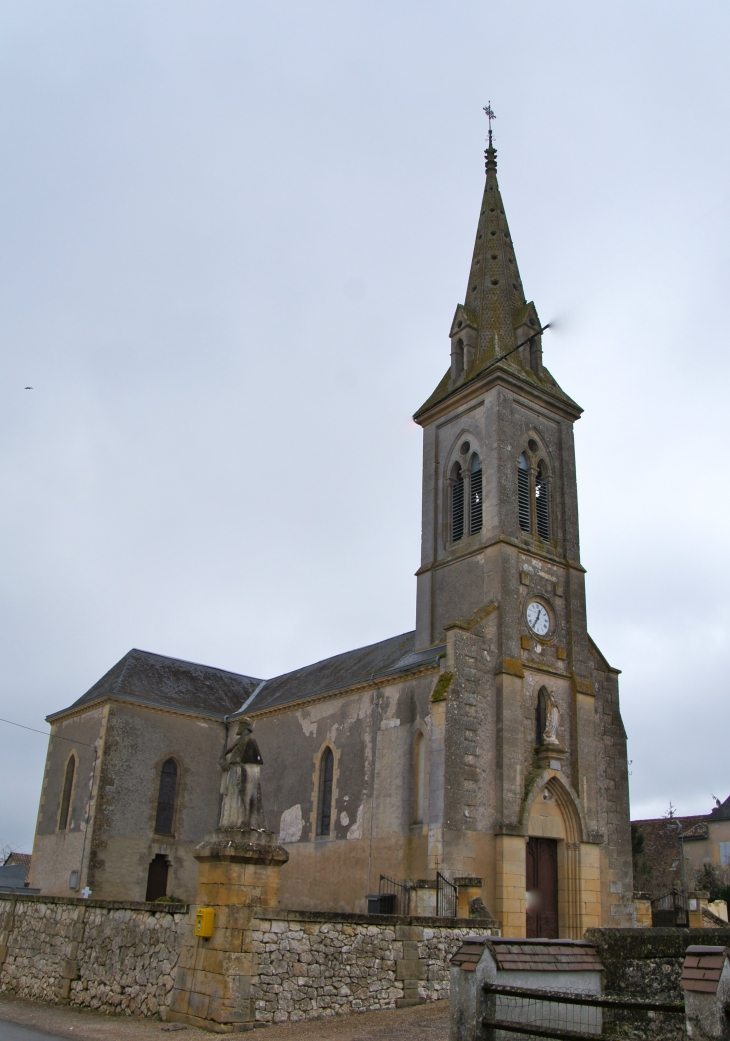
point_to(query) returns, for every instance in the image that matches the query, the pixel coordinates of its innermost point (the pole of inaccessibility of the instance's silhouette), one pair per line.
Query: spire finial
(490, 116)
(490, 153)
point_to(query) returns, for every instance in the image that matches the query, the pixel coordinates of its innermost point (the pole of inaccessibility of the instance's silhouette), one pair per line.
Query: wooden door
(542, 888)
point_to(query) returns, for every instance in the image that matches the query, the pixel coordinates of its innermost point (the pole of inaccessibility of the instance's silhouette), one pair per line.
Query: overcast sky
(233, 237)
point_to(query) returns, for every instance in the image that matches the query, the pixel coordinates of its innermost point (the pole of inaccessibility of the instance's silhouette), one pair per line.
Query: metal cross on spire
(490, 116)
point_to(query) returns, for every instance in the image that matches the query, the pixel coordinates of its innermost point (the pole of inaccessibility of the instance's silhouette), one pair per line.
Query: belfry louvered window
(475, 497)
(326, 775)
(457, 506)
(523, 493)
(166, 798)
(541, 503)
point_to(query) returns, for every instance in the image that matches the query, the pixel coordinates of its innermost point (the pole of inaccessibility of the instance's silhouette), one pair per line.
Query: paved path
(33, 1021)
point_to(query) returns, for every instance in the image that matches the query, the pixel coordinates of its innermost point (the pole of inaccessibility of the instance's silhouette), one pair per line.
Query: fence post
(706, 984)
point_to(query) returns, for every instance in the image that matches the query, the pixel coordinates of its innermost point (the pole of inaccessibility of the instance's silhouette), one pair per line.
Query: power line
(45, 733)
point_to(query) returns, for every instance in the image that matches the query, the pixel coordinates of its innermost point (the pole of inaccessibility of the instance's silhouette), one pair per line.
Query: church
(481, 753)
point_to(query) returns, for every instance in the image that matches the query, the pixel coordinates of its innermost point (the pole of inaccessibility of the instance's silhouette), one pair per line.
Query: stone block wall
(94, 954)
(121, 958)
(316, 965)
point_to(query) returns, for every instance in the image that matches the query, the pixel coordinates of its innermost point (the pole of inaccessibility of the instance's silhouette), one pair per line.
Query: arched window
(68, 784)
(523, 492)
(475, 496)
(419, 778)
(457, 504)
(326, 774)
(166, 798)
(541, 502)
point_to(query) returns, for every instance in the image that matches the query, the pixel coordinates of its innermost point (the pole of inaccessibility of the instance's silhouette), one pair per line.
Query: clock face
(538, 618)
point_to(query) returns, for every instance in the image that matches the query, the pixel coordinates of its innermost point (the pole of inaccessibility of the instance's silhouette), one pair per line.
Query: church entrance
(542, 888)
(157, 878)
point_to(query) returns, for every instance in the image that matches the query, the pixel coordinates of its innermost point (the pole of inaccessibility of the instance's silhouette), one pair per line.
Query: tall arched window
(523, 492)
(326, 774)
(68, 784)
(166, 798)
(541, 502)
(419, 778)
(457, 504)
(475, 496)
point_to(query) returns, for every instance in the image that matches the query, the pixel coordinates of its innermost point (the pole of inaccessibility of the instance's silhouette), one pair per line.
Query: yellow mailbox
(204, 921)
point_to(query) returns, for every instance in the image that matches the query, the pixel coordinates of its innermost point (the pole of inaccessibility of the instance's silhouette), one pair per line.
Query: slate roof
(153, 678)
(530, 955)
(546, 956)
(702, 968)
(383, 659)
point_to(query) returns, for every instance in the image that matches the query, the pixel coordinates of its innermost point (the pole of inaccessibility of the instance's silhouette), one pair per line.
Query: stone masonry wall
(312, 967)
(95, 954)
(121, 958)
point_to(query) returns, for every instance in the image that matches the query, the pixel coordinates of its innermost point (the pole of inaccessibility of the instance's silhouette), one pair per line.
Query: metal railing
(393, 897)
(447, 897)
(670, 911)
(569, 1016)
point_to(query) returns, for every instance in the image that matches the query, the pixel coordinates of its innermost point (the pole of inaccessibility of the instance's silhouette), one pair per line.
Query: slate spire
(494, 294)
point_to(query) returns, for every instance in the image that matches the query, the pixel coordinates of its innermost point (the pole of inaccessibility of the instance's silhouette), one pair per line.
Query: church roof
(153, 678)
(377, 660)
(495, 306)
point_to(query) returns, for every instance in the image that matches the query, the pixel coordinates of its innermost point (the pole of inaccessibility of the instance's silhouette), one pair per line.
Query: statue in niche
(241, 804)
(552, 721)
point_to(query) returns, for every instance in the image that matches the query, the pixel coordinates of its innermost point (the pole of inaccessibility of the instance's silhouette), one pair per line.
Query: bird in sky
(29, 388)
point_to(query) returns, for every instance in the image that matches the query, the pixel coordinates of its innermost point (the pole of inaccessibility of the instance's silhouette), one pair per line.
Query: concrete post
(706, 984)
(238, 872)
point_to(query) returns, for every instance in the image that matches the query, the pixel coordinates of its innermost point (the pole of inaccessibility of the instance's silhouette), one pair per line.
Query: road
(32, 1021)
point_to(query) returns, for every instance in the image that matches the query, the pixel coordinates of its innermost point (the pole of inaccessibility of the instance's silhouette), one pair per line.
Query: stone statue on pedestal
(241, 804)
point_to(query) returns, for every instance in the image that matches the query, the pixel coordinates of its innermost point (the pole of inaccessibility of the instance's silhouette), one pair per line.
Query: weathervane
(490, 116)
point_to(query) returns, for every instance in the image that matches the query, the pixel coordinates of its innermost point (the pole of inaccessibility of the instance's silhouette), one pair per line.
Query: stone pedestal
(238, 872)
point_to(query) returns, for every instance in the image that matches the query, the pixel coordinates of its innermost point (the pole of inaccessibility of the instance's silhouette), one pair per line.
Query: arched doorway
(157, 878)
(552, 863)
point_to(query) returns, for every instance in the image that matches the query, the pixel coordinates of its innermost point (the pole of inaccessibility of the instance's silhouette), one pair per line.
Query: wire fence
(517, 1013)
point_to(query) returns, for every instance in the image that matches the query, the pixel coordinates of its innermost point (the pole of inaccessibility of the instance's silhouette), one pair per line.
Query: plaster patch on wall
(355, 831)
(291, 824)
(308, 726)
(344, 819)
(388, 724)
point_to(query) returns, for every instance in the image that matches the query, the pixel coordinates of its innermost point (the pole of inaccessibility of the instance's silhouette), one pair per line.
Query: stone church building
(486, 745)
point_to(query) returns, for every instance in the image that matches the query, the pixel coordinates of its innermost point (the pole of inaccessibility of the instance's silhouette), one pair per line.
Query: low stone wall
(647, 964)
(121, 958)
(95, 954)
(313, 965)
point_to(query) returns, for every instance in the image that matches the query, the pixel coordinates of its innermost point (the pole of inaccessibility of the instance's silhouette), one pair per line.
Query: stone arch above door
(553, 805)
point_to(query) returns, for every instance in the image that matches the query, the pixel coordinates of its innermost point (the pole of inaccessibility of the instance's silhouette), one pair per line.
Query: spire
(495, 318)
(494, 294)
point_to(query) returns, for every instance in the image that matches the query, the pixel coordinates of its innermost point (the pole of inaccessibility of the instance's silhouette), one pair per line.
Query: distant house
(14, 871)
(706, 841)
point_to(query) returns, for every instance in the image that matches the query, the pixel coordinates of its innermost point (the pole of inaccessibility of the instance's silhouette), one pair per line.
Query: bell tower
(502, 583)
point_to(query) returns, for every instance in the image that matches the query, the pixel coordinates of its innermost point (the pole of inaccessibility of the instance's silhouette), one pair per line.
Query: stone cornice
(79, 710)
(508, 540)
(485, 380)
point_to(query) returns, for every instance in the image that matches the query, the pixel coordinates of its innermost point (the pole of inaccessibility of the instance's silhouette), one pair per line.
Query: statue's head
(245, 725)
